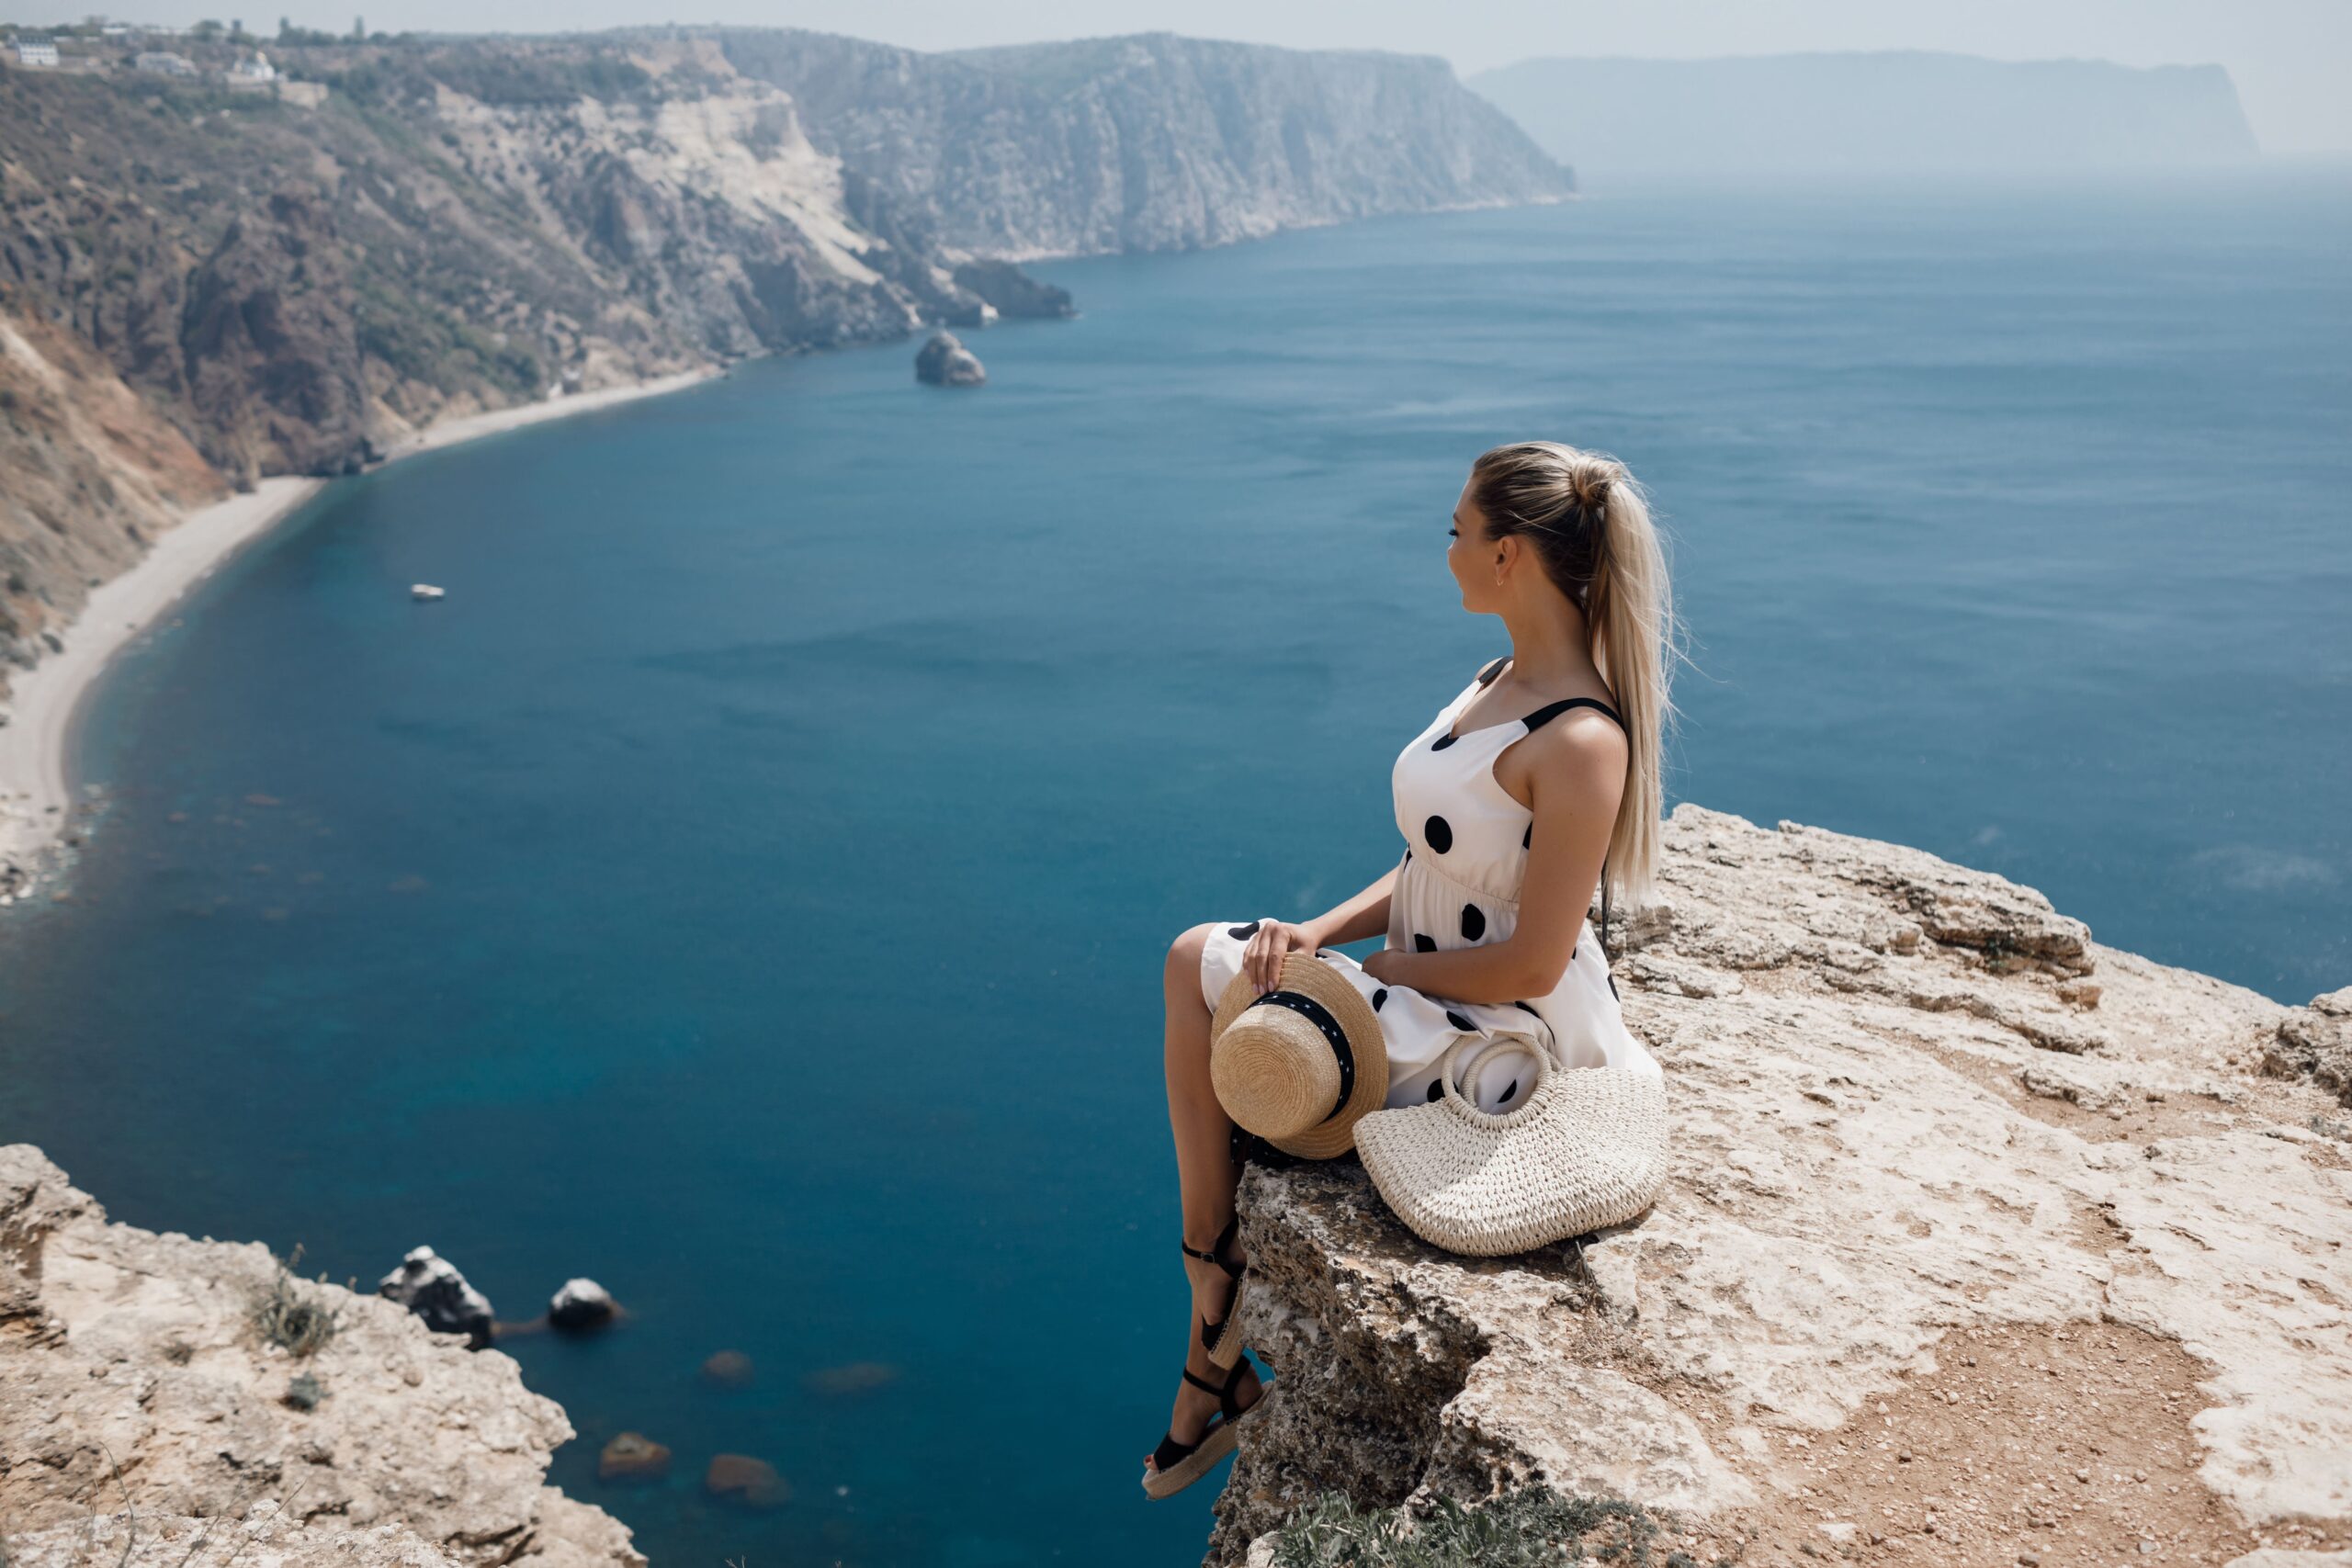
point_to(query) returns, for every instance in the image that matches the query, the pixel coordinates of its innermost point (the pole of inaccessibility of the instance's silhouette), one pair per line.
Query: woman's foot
(1194, 1406)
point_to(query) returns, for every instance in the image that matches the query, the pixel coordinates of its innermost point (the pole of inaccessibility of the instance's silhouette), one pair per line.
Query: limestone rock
(727, 1368)
(133, 1378)
(945, 362)
(580, 1305)
(1896, 1141)
(2315, 1042)
(430, 1286)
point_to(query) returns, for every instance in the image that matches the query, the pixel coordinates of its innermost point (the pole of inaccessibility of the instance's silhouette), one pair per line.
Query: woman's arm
(1364, 915)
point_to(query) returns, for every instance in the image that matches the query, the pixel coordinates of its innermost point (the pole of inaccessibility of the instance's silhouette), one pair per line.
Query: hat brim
(1309, 975)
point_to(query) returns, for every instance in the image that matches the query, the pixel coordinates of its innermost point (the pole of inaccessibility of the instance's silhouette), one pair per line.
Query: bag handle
(1445, 1074)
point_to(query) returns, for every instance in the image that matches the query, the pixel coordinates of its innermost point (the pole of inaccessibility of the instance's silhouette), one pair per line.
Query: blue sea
(749, 887)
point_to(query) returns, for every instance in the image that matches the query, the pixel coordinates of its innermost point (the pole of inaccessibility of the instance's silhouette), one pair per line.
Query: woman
(1535, 785)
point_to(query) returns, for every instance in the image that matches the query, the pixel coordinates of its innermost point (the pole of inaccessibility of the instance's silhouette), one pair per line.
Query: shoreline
(37, 787)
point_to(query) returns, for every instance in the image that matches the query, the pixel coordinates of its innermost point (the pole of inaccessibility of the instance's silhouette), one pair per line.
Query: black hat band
(1318, 1015)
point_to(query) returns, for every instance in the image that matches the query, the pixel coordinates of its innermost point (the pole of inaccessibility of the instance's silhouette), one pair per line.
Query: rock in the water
(582, 1303)
(1928, 1234)
(430, 1286)
(853, 1377)
(727, 1368)
(129, 1352)
(945, 362)
(752, 1482)
(1013, 291)
(633, 1456)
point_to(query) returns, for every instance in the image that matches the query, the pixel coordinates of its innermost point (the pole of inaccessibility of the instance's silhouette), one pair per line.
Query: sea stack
(430, 1286)
(945, 362)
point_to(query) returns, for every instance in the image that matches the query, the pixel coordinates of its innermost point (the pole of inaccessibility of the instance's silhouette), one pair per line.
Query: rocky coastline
(150, 1412)
(1984, 1243)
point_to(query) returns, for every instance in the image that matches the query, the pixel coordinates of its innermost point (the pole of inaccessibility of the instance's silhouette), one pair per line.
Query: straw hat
(1299, 1065)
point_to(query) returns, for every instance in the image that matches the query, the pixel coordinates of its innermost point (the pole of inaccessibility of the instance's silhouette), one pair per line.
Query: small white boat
(422, 591)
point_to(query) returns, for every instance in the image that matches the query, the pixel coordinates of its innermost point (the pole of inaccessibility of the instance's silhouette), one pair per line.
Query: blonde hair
(1589, 523)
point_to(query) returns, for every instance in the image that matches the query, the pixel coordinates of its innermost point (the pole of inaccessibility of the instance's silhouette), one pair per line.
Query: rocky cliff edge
(145, 1418)
(1984, 1243)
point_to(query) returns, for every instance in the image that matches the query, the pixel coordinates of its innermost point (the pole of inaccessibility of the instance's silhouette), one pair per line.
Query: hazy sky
(2291, 58)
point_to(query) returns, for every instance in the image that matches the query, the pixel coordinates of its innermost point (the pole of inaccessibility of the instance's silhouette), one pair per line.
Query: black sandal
(1220, 1340)
(1175, 1465)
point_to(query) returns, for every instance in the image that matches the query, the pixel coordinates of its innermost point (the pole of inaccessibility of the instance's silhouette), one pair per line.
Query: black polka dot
(1527, 837)
(1508, 1092)
(1437, 1089)
(1438, 832)
(1473, 921)
(1422, 943)
(1379, 997)
(1459, 1023)
(1243, 934)
(1443, 741)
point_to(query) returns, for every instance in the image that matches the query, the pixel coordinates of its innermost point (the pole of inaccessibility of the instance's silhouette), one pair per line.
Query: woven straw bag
(1585, 1149)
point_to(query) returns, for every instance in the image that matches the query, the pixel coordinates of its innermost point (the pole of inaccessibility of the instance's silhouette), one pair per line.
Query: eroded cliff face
(1981, 1239)
(1151, 141)
(144, 1418)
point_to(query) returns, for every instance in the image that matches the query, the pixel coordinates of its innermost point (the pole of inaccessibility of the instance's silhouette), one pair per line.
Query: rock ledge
(1982, 1240)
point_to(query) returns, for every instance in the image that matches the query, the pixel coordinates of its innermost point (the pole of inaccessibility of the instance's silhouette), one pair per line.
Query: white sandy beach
(36, 786)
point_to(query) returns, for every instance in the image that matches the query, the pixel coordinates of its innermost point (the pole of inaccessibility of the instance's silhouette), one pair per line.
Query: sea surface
(749, 887)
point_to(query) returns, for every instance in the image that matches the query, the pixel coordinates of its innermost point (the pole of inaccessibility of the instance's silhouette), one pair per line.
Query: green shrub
(1531, 1526)
(287, 1314)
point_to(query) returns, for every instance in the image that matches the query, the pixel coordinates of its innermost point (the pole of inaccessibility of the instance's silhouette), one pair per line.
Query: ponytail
(1589, 522)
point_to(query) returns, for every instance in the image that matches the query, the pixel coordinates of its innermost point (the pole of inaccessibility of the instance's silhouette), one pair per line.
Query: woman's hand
(1273, 941)
(1377, 965)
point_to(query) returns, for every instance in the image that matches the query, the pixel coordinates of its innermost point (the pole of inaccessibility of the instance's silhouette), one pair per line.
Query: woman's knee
(1184, 957)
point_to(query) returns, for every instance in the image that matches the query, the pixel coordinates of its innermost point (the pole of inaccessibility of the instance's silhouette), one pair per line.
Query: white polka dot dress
(1458, 885)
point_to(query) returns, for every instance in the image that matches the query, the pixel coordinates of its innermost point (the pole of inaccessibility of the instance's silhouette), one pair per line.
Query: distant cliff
(1148, 143)
(1897, 111)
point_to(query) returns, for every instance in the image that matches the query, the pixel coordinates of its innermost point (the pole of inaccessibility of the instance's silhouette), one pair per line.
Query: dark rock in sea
(945, 362)
(727, 1368)
(752, 1482)
(430, 1286)
(633, 1456)
(1013, 291)
(580, 1305)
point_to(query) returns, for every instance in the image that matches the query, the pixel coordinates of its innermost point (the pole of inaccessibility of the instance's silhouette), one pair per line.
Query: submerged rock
(580, 1305)
(430, 1286)
(1927, 1234)
(752, 1482)
(853, 1377)
(632, 1456)
(727, 1368)
(945, 362)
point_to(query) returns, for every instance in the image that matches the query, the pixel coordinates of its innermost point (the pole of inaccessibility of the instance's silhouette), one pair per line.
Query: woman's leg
(1204, 1168)
(1205, 1174)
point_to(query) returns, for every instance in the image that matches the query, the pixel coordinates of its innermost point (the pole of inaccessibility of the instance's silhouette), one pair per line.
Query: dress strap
(1486, 676)
(1543, 716)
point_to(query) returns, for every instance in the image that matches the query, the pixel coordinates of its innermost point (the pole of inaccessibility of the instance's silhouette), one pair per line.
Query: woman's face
(1471, 556)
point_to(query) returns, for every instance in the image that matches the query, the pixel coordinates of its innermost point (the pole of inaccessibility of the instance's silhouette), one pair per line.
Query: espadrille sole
(1216, 1444)
(1228, 1348)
